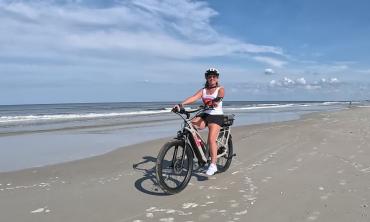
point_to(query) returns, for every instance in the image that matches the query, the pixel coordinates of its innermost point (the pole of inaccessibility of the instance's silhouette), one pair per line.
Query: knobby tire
(163, 165)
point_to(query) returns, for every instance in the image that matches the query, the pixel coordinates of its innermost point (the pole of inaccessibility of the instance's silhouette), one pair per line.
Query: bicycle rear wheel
(174, 166)
(223, 162)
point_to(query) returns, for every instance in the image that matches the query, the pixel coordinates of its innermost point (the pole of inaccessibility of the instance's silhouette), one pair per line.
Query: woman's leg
(214, 130)
(199, 123)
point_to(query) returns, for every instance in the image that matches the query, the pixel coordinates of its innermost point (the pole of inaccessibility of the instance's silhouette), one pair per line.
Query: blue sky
(56, 51)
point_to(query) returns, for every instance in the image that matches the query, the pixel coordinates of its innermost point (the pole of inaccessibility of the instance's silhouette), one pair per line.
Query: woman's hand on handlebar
(177, 108)
(180, 109)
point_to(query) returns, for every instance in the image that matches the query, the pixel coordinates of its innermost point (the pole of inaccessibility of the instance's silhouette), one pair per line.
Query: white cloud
(334, 80)
(312, 87)
(303, 83)
(273, 82)
(276, 90)
(269, 71)
(287, 82)
(178, 29)
(270, 61)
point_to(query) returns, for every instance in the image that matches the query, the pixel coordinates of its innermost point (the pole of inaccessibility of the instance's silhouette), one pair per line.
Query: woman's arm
(221, 92)
(220, 96)
(189, 100)
(193, 98)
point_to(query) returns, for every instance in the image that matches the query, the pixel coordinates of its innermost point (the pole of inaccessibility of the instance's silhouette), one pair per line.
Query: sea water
(38, 135)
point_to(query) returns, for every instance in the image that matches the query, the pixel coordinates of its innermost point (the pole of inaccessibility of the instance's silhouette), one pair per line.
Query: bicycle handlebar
(187, 113)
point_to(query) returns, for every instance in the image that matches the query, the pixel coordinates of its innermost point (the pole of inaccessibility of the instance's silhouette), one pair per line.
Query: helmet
(211, 71)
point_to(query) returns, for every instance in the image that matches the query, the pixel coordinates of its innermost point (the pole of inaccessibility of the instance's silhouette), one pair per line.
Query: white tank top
(205, 97)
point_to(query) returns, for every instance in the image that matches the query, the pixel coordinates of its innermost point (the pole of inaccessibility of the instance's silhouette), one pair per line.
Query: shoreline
(35, 144)
(313, 168)
(167, 138)
(113, 148)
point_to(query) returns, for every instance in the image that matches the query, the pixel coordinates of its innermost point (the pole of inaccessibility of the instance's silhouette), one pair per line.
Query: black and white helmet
(211, 71)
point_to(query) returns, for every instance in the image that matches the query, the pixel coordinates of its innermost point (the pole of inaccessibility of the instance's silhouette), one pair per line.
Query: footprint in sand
(40, 210)
(207, 203)
(293, 168)
(326, 196)
(343, 182)
(168, 219)
(241, 212)
(189, 205)
(266, 179)
(234, 205)
(313, 216)
(217, 188)
(149, 215)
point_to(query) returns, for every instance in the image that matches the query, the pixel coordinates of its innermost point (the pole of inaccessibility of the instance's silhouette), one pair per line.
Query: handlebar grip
(182, 110)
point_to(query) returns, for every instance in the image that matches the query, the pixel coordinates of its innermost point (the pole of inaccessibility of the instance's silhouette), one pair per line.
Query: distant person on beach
(212, 95)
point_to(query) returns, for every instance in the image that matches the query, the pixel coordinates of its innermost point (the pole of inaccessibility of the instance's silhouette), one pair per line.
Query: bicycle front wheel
(174, 166)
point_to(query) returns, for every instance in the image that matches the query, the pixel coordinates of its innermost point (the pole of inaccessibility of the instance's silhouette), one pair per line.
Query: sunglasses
(212, 76)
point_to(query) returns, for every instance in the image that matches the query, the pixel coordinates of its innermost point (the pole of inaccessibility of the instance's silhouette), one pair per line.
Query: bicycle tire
(161, 166)
(223, 163)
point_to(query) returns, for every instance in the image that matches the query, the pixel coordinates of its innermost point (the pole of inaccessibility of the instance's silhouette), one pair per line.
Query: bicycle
(175, 159)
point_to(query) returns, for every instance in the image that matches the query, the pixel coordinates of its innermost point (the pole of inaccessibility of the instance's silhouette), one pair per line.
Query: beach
(316, 168)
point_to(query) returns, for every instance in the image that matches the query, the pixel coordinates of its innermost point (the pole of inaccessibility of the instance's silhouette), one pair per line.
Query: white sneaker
(212, 169)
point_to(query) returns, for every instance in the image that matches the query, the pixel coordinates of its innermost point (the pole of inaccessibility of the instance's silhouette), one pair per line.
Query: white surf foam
(28, 118)
(260, 106)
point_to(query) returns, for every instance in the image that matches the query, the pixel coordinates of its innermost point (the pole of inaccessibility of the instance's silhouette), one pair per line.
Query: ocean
(38, 135)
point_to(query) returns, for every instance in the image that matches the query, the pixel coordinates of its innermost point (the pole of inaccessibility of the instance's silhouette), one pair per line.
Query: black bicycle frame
(189, 134)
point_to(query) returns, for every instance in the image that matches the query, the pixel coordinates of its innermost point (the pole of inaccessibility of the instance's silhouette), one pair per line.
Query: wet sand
(313, 169)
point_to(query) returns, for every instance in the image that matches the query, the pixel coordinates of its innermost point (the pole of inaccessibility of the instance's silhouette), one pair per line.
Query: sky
(62, 51)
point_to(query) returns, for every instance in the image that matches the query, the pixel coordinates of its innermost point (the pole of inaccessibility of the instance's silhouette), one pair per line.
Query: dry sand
(313, 169)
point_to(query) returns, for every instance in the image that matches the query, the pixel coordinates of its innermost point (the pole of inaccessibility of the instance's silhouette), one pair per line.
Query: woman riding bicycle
(212, 95)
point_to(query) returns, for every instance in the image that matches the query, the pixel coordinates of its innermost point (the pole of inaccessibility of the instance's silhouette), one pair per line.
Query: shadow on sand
(148, 183)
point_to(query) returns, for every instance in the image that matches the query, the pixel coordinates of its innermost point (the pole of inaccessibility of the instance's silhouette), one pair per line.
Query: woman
(212, 95)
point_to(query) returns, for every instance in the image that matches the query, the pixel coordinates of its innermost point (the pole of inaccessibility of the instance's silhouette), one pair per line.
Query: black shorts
(208, 118)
